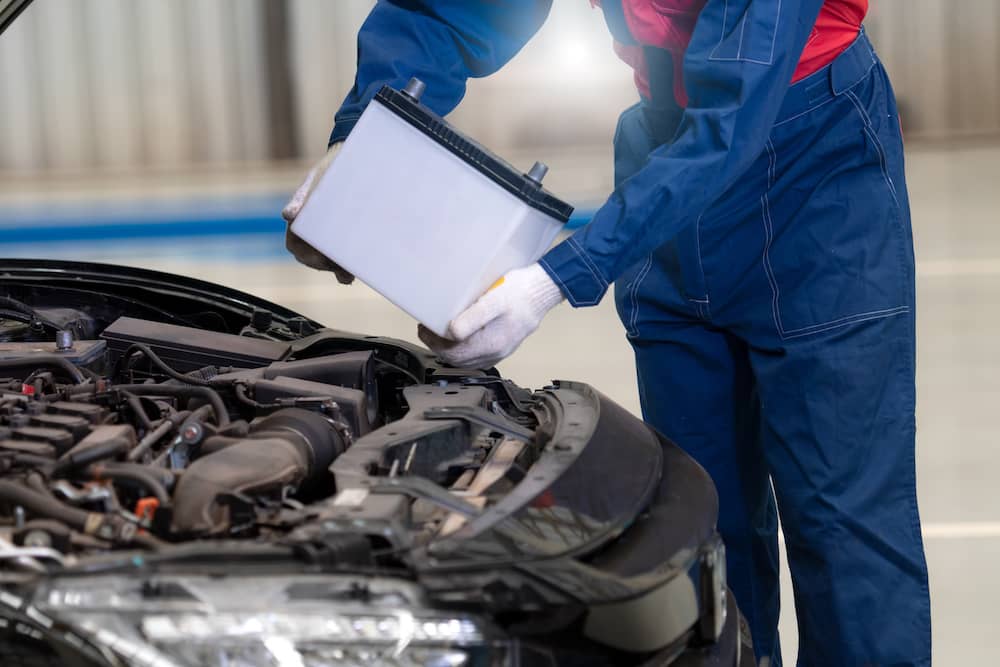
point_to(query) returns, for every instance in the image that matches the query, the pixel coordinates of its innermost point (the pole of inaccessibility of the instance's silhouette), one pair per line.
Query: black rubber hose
(50, 508)
(148, 541)
(16, 315)
(44, 361)
(163, 427)
(163, 366)
(151, 438)
(42, 505)
(90, 453)
(92, 375)
(177, 391)
(316, 436)
(210, 396)
(136, 405)
(36, 482)
(135, 473)
(27, 311)
(243, 396)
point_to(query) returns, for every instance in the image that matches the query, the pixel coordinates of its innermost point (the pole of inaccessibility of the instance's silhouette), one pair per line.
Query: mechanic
(760, 245)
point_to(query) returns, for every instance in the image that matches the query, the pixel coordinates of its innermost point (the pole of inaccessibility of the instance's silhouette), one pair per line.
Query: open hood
(9, 10)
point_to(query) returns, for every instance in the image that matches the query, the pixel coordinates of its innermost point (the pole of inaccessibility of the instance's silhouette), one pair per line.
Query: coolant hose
(42, 505)
(135, 473)
(48, 507)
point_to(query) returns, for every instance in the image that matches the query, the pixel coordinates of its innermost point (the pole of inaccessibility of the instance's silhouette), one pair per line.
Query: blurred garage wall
(942, 56)
(131, 84)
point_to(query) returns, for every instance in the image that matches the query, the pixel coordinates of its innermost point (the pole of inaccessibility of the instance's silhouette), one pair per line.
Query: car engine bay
(106, 443)
(168, 446)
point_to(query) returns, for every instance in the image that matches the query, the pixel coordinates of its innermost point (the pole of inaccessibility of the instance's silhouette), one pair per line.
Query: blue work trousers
(774, 342)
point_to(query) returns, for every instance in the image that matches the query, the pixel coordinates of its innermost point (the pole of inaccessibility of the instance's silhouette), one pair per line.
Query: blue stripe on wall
(67, 224)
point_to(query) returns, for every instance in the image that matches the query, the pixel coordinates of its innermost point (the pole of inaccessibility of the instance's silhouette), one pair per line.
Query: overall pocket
(749, 28)
(834, 230)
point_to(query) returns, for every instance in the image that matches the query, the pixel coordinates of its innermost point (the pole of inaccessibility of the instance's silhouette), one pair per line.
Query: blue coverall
(760, 245)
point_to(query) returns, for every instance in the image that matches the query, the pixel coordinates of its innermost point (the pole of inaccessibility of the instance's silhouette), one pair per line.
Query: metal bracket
(419, 487)
(482, 417)
(522, 402)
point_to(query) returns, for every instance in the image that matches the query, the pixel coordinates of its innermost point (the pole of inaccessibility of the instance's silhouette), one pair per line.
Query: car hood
(134, 282)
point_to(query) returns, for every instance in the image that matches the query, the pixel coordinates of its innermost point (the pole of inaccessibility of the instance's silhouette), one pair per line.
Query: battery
(423, 214)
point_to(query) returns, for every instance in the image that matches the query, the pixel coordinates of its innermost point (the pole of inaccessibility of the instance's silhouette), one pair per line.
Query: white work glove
(495, 325)
(303, 252)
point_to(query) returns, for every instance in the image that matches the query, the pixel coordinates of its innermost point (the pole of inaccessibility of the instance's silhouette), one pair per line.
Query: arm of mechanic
(736, 72)
(442, 42)
(735, 93)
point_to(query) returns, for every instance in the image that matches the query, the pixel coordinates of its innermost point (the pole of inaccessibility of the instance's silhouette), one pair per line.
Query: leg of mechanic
(696, 387)
(838, 428)
(832, 351)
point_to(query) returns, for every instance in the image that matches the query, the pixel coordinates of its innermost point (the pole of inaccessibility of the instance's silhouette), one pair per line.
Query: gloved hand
(495, 325)
(303, 252)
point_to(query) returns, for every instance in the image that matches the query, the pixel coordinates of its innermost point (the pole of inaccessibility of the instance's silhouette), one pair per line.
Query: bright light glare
(284, 652)
(399, 629)
(574, 55)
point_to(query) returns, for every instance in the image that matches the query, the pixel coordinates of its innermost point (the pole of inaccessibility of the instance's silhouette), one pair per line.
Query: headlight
(267, 621)
(297, 639)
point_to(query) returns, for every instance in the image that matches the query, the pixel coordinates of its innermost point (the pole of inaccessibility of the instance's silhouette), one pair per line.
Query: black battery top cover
(526, 187)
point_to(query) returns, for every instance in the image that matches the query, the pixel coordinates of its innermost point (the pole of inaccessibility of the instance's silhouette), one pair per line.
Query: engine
(157, 434)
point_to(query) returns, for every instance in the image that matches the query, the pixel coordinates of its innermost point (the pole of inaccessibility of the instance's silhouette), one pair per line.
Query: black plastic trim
(475, 155)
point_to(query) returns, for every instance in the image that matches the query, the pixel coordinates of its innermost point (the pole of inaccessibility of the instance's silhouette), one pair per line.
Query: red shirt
(668, 24)
(837, 26)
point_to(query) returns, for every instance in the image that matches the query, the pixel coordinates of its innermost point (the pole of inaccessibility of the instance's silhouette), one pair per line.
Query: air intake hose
(286, 448)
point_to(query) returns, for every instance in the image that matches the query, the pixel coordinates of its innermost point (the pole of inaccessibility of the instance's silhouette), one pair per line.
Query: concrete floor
(955, 200)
